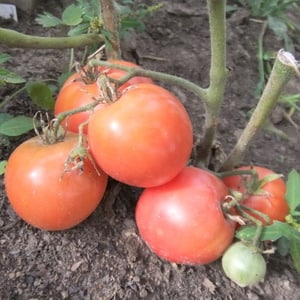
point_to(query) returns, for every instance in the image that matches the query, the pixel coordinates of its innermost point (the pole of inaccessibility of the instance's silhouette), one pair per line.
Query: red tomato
(73, 96)
(182, 220)
(76, 93)
(144, 139)
(270, 200)
(39, 193)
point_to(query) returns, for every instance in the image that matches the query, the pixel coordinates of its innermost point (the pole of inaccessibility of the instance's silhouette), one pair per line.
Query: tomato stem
(14, 39)
(111, 23)
(259, 225)
(172, 79)
(284, 67)
(234, 172)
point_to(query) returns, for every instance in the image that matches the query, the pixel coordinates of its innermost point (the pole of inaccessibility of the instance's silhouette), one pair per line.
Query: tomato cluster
(140, 134)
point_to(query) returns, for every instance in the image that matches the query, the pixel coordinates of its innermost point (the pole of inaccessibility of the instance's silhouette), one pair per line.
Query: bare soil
(104, 257)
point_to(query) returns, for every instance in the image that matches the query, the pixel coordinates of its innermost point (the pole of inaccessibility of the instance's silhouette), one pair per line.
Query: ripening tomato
(268, 199)
(182, 221)
(77, 93)
(144, 139)
(45, 196)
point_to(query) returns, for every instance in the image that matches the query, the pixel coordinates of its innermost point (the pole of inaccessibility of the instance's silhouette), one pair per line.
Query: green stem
(250, 172)
(259, 226)
(284, 67)
(192, 87)
(261, 68)
(16, 39)
(111, 22)
(218, 74)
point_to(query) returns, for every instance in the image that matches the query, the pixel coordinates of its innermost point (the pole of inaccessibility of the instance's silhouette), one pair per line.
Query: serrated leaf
(40, 94)
(4, 58)
(16, 126)
(3, 164)
(72, 15)
(293, 190)
(10, 77)
(48, 20)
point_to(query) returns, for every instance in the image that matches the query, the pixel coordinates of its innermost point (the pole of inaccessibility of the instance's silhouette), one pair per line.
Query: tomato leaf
(40, 94)
(48, 20)
(269, 233)
(10, 77)
(16, 126)
(295, 252)
(293, 190)
(283, 246)
(4, 117)
(278, 26)
(79, 29)
(72, 15)
(4, 58)
(3, 164)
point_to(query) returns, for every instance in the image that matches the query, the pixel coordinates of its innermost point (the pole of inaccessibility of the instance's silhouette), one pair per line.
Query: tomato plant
(46, 196)
(182, 221)
(244, 264)
(144, 139)
(81, 89)
(267, 197)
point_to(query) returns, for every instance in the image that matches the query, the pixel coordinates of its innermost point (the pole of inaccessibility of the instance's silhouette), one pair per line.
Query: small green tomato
(243, 264)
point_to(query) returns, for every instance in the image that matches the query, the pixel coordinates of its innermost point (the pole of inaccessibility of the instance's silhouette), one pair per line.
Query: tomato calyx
(49, 131)
(79, 154)
(87, 75)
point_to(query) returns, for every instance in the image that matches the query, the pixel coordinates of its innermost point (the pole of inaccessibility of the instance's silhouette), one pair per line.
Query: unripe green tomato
(243, 264)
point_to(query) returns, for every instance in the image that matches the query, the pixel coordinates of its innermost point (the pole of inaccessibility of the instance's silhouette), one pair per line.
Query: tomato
(74, 96)
(182, 220)
(42, 194)
(77, 93)
(243, 264)
(144, 139)
(269, 199)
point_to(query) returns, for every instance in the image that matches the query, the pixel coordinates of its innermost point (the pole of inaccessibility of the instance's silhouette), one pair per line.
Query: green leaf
(40, 94)
(3, 164)
(278, 26)
(283, 246)
(269, 233)
(79, 29)
(48, 20)
(63, 77)
(10, 77)
(4, 117)
(4, 58)
(72, 15)
(293, 190)
(16, 126)
(295, 253)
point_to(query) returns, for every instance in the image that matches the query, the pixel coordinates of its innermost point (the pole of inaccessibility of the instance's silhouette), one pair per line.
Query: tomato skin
(74, 96)
(182, 220)
(39, 193)
(243, 264)
(144, 139)
(76, 93)
(271, 201)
